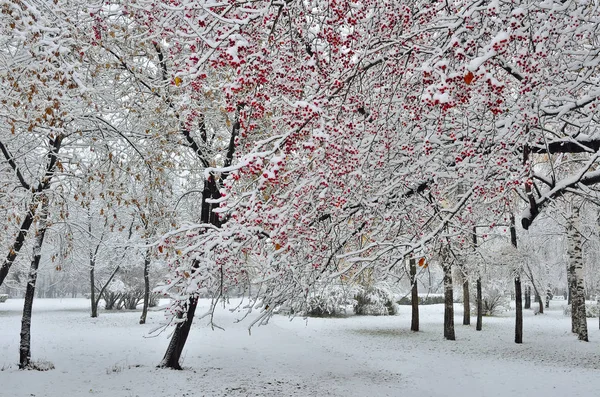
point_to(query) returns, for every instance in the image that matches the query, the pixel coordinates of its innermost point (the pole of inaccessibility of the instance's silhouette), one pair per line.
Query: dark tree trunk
(182, 329)
(414, 324)
(518, 291)
(448, 303)
(519, 311)
(466, 302)
(173, 353)
(479, 306)
(479, 325)
(146, 286)
(25, 345)
(540, 304)
(93, 300)
(527, 297)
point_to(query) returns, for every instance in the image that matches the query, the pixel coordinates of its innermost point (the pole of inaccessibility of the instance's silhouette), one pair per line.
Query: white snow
(355, 356)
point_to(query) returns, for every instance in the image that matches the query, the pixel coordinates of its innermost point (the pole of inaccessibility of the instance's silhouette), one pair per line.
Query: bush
(331, 301)
(111, 299)
(40, 365)
(494, 303)
(3, 297)
(153, 299)
(375, 301)
(423, 300)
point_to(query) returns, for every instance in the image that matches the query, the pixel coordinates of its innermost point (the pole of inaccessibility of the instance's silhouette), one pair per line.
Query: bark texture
(578, 314)
(448, 303)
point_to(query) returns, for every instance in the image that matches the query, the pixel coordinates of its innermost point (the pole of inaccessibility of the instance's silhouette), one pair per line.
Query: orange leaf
(469, 78)
(277, 247)
(421, 261)
(160, 249)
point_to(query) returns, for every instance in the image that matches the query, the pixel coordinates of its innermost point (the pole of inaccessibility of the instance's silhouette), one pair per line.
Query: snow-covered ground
(356, 356)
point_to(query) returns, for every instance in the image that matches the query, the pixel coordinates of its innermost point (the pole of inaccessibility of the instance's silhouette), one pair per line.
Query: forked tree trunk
(448, 303)
(52, 158)
(25, 344)
(414, 324)
(146, 286)
(518, 290)
(578, 314)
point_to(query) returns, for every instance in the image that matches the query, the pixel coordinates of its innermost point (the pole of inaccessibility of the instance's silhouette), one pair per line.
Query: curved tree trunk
(182, 329)
(25, 344)
(146, 287)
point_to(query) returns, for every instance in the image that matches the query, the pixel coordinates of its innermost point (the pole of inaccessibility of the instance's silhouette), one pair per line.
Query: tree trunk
(519, 311)
(466, 302)
(414, 324)
(448, 303)
(146, 286)
(479, 325)
(479, 306)
(578, 314)
(518, 292)
(182, 329)
(93, 300)
(527, 297)
(25, 345)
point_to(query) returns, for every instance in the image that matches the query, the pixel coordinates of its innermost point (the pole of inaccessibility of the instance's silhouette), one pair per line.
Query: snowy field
(356, 356)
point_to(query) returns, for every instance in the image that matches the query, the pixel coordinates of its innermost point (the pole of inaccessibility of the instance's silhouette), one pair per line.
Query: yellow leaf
(178, 81)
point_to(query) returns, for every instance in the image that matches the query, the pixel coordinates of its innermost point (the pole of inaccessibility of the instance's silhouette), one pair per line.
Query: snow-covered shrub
(40, 365)
(493, 301)
(375, 301)
(423, 300)
(130, 299)
(329, 301)
(111, 299)
(153, 299)
(3, 297)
